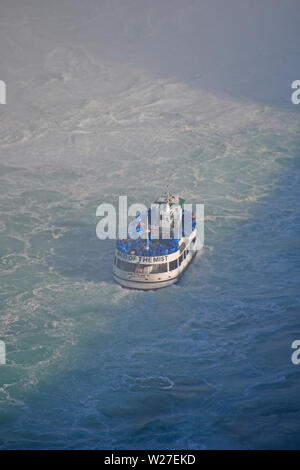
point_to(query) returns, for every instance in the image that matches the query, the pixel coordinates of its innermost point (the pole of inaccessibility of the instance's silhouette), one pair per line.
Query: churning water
(202, 364)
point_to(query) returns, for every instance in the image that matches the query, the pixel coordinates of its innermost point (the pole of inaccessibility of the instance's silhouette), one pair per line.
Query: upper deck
(148, 247)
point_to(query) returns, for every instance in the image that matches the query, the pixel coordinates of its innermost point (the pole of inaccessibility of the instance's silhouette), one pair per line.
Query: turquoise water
(202, 364)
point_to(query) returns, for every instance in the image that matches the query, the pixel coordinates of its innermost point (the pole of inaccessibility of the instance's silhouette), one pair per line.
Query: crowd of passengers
(140, 247)
(151, 247)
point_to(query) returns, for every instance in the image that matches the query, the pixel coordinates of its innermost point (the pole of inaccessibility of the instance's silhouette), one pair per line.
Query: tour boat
(156, 254)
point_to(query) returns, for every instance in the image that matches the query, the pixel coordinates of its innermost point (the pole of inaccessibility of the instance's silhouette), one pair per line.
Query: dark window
(184, 254)
(142, 268)
(173, 265)
(180, 260)
(130, 267)
(159, 268)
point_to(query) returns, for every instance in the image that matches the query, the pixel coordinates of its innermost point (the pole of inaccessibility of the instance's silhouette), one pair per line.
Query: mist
(248, 49)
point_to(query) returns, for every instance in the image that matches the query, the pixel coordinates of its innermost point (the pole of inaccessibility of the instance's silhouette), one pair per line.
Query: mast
(147, 231)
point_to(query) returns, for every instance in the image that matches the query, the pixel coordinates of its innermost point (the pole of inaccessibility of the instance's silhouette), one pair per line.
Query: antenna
(168, 192)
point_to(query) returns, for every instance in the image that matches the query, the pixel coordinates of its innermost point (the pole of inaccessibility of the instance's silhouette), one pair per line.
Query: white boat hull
(142, 285)
(136, 280)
